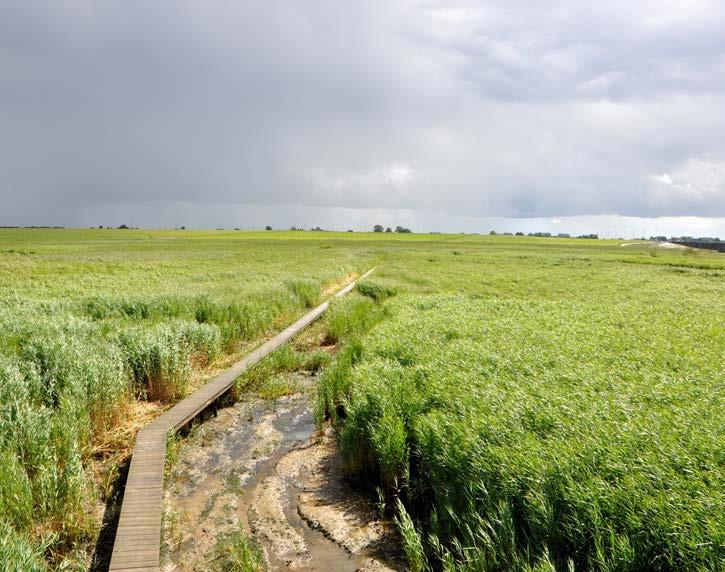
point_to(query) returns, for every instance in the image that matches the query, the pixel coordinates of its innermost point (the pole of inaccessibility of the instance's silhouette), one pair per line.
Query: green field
(521, 403)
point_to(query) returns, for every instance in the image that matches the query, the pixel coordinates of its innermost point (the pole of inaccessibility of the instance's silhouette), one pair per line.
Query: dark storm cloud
(514, 109)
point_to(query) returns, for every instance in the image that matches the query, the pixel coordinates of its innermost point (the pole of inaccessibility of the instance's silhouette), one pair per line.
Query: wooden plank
(135, 561)
(141, 507)
(138, 535)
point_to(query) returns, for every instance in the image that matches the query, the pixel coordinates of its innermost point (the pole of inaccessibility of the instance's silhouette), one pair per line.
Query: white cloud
(703, 176)
(663, 178)
(695, 181)
(399, 174)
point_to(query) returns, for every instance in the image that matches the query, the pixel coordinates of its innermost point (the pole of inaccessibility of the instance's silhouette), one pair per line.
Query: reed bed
(520, 403)
(92, 323)
(542, 408)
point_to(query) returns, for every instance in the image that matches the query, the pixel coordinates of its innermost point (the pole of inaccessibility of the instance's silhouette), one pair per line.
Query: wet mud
(262, 468)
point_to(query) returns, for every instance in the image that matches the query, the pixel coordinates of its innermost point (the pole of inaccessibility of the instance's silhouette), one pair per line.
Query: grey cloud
(471, 109)
(523, 50)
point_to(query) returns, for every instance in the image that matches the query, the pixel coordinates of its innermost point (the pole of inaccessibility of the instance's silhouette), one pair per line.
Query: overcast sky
(439, 115)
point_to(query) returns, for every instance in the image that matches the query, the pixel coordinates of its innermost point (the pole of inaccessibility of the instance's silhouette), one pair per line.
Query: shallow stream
(262, 468)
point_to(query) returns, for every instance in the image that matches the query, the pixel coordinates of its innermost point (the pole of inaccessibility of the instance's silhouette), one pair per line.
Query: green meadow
(519, 403)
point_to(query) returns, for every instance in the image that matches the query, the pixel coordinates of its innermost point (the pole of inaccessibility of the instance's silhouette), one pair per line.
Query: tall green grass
(159, 360)
(519, 425)
(17, 553)
(350, 317)
(601, 454)
(345, 323)
(509, 446)
(43, 490)
(90, 322)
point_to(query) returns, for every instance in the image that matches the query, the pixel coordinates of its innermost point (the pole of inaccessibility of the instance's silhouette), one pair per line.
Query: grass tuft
(375, 290)
(349, 317)
(306, 291)
(236, 552)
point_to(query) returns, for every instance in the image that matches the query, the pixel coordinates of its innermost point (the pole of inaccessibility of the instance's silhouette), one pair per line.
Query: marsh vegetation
(542, 407)
(99, 332)
(519, 403)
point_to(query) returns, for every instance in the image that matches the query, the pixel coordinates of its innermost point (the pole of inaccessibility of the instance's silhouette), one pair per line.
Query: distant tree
(101, 226)
(349, 230)
(519, 234)
(388, 229)
(493, 233)
(317, 229)
(402, 229)
(563, 235)
(123, 226)
(183, 228)
(267, 227)
(508, 233)
(236, 228)
(293, 228)
(378, 228)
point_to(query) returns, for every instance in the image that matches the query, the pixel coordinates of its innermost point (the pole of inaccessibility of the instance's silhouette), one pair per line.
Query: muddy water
(262, 468)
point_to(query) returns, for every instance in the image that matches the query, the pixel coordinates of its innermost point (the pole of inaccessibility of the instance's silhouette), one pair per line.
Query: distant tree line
(401, 229)
(543, 234)
(714, 239)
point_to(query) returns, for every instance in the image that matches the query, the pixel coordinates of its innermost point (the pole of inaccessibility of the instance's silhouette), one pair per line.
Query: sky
(558, 116)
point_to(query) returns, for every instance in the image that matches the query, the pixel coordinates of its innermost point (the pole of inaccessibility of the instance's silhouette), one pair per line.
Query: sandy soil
(665, 245)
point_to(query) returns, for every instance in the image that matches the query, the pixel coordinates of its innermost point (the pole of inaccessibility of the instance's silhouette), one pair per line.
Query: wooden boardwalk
(138, 536)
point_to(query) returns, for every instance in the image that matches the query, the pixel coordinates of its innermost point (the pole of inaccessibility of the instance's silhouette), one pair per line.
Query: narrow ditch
(262, 468)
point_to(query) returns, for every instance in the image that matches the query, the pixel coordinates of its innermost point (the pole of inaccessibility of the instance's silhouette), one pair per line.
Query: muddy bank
(261, 467)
